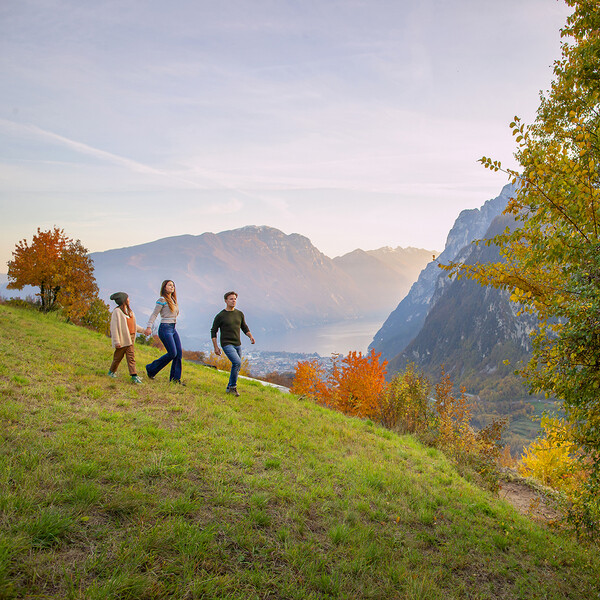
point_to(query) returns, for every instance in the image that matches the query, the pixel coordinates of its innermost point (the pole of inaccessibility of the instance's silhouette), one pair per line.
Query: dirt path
(528, 501)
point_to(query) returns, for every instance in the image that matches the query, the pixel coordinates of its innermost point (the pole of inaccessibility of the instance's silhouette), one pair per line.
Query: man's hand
(217, 351)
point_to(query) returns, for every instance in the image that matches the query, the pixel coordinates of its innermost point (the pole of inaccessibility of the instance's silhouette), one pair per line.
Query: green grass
(115, 491)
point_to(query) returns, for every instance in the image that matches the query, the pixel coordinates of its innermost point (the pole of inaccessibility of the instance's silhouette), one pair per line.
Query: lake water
(325, 340)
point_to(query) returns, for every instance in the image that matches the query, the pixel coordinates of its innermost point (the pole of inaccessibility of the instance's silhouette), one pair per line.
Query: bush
(405, 405)
(222, 363)
(97, 317)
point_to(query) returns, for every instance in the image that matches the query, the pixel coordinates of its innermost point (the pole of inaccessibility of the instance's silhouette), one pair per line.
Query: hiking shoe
(111, 374)
(233, 390)
(136, 379)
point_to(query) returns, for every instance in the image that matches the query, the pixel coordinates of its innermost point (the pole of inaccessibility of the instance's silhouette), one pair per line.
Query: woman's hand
(147, 331)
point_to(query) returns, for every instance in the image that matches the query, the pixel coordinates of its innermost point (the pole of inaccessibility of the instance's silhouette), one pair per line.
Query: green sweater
(229, 322)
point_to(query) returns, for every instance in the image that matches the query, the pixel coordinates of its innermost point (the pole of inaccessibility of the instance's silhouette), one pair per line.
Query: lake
(341, 337)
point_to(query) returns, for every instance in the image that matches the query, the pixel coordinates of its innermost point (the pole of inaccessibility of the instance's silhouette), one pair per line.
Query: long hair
(126, 307)
(170, 298)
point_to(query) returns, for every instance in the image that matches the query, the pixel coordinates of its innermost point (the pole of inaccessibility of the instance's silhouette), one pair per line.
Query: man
(230, 321)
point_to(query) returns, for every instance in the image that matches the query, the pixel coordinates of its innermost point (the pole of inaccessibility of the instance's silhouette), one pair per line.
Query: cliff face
(470, 330)
(407, 320)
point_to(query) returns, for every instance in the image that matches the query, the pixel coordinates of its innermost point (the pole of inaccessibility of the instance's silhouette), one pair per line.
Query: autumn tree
(405, 405)
(552, 255)
(309, 380)
(60, 267)
(355, 384)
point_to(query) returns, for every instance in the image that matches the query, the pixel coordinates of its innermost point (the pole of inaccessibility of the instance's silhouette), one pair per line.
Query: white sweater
(119, 330)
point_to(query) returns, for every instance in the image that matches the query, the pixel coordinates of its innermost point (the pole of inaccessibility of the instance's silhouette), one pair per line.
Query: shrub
(552, 459)
(97, 317)
(222, 363)
(405, 405)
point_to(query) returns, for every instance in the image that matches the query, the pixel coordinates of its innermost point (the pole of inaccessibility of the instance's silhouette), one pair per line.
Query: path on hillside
(529, 501)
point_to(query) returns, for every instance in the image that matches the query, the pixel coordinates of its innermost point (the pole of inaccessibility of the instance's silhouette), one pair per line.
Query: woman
(166, 307)
(123, 329)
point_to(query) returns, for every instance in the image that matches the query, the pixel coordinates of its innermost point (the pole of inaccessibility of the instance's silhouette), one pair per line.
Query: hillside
(115, 491)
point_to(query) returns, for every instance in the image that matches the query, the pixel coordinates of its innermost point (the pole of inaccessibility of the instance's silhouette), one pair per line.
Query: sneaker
(233, 390)
(111, 374)
(178, 382)
(136, 379)
(148, 374)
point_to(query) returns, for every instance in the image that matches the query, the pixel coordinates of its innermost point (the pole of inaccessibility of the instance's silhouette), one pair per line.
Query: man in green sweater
(230, 321)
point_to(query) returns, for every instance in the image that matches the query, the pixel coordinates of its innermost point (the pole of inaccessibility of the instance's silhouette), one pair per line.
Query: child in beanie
(123, 328)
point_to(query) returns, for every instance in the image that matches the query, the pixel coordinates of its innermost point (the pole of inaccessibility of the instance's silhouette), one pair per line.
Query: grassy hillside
(115, 491)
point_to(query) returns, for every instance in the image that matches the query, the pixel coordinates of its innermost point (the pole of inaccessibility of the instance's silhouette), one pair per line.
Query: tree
(355, 385)
(60, 267)
(552, 255)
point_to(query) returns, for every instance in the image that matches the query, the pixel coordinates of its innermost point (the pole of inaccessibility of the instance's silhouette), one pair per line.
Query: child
(122, 331)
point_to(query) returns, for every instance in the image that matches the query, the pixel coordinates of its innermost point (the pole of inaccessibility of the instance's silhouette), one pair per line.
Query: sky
(357, 123)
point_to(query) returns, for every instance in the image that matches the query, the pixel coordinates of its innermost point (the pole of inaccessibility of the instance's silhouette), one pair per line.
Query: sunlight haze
(357, 124)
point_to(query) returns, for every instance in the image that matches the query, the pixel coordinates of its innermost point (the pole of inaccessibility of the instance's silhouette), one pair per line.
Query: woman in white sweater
(123, 329)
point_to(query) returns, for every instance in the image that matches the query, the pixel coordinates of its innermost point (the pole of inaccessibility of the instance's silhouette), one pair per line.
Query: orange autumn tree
(60, 267)
(309, 380)
(354, 386)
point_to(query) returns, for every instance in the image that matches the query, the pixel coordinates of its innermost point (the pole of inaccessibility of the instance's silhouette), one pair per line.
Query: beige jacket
(119, 331)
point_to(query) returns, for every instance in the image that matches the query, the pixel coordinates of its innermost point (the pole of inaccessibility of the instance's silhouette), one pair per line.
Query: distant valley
(285, 284)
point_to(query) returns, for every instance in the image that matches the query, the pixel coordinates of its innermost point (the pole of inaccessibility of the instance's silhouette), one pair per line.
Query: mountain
(283, 281)
(384, 275)
(405, 322)
(470, 329)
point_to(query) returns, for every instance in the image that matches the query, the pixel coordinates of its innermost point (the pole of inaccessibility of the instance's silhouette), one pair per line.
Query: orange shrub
(354, 386)
(309, 380)
(357, 383)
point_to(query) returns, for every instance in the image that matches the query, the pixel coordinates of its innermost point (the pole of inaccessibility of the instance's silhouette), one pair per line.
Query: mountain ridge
(284, 282)
(406, 320)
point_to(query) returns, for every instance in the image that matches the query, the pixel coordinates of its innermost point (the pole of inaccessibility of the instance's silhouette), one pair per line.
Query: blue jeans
(170, 338)
(234, 354)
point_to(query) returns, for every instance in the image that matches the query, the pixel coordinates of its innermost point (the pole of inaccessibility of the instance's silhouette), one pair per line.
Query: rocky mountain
(470, 330)
(405, 322)
(283, 281)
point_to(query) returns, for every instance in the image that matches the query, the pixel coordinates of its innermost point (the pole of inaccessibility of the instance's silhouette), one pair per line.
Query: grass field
(115, 491)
